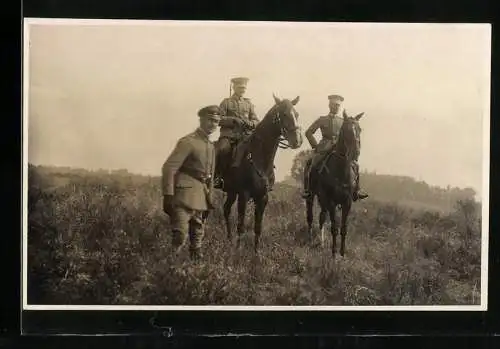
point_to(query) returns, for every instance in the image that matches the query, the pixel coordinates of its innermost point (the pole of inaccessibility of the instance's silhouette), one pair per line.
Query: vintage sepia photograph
(199, 165)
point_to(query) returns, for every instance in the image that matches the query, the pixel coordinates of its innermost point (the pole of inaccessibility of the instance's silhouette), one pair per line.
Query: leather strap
(198, 175)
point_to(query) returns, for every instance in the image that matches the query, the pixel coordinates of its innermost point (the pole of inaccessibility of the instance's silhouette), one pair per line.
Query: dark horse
(254, 176)
(333, 183)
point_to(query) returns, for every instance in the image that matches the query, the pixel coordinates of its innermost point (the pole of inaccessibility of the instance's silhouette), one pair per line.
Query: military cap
(336, 98)
(211, 111)
(239, 81)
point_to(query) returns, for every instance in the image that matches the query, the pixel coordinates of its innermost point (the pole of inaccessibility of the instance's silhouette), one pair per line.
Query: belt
(198, 175)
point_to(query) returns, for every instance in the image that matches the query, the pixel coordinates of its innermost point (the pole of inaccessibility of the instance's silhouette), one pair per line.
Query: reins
(282, 141)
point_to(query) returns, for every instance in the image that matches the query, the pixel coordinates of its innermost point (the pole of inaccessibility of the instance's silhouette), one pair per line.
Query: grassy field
(103, 239)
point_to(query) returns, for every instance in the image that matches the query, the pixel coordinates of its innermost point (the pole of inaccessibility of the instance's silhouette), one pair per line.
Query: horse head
(350, 135)
(288, 120)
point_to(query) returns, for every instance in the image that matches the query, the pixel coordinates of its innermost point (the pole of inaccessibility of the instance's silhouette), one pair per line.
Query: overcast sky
(119, 96)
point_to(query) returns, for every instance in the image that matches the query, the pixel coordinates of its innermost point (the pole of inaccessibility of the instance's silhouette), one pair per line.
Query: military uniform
(329, 126)
(241, 108)
(233, 132)
(187, 178)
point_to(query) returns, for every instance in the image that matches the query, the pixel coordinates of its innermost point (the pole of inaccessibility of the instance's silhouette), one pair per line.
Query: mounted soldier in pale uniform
(238, 122)
(330, 126)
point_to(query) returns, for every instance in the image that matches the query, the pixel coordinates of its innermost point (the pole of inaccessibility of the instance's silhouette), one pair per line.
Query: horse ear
(276, 99)
(359, 116)
(296, 100)
(344, 114)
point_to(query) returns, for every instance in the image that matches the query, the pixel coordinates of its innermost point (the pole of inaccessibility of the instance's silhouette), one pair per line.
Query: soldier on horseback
(330, 126)
(239, 120)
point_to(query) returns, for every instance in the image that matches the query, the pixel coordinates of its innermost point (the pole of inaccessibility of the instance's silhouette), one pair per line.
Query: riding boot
(237, 157)
(222, 158)
(306, 184)
(239, 151)
(358, 193)
(218, 181)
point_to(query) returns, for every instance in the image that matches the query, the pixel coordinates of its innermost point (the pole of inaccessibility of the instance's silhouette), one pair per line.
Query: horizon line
(287, 177)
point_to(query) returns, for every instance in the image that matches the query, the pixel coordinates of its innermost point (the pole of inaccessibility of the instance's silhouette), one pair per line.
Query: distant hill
(403, 190)
(406, 191)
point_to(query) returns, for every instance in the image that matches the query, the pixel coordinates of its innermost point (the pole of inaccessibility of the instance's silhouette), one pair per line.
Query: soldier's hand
(249, 125)
(168, 204)
(239, 122)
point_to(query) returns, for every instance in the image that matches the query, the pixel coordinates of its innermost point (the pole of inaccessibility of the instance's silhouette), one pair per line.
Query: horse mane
(338, 160)
(265, 119)
(258, 138)
(264, 123)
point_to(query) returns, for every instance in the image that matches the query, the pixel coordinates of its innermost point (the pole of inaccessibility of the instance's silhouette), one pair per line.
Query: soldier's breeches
(186, 222)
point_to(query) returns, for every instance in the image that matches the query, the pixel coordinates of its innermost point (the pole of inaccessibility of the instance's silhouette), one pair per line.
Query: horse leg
(322, 220)
(332, 212)
(242, 207)
(343, 228)
(231, 198)
(309, 214)
(260, 206)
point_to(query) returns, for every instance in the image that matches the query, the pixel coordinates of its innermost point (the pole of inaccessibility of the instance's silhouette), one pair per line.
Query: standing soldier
(187, 182)
(239, 120)
(330, 126)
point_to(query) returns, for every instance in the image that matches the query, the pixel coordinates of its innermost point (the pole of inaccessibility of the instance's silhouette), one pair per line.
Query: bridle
(283, 142)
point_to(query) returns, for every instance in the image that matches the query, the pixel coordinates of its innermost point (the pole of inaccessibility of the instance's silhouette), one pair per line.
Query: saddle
(320, 166)
(323, 170)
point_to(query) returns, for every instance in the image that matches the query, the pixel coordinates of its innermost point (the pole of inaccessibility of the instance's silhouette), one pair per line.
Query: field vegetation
(101, 238)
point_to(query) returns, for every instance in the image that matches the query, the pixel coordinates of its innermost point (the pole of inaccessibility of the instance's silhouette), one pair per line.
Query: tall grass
(100, 239)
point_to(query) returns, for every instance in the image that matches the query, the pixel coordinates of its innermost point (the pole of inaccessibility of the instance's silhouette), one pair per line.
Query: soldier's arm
(252, 116)
(226, 120)
(223, 107)
(310, 132)
(172, 165)
(212, 174)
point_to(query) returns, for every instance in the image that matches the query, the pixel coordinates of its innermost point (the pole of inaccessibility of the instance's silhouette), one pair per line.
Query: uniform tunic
(193, 156)
(330, 126)
(237, 107)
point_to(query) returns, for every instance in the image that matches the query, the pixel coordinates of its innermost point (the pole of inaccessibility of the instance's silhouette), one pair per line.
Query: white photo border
(485, 185)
